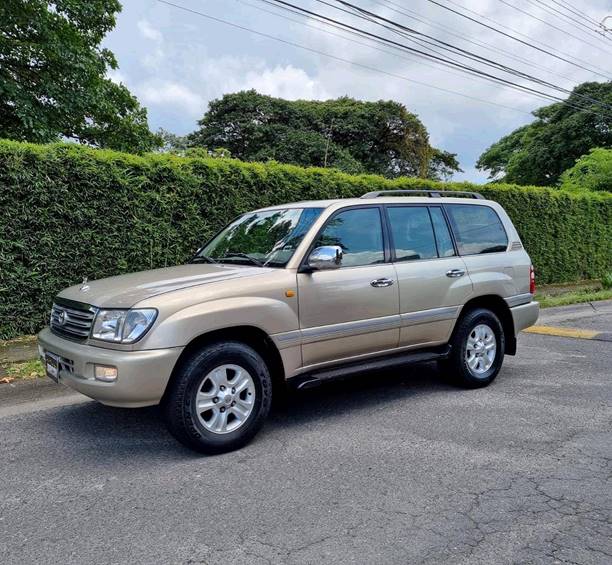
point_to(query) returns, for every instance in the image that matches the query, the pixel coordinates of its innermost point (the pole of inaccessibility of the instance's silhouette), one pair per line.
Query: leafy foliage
(68, 211)
(539, 152)
(591, 172)
(53, 81)
(353, 136)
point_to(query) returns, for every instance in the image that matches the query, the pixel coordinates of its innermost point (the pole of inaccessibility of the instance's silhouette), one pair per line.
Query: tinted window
(443, 236)
(359, 234)
(478, 229)
(412, 233)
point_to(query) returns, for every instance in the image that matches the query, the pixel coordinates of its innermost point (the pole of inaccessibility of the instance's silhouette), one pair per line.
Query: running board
(315, 378)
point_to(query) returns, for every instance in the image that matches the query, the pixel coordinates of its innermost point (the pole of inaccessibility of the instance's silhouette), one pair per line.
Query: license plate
(52, 366)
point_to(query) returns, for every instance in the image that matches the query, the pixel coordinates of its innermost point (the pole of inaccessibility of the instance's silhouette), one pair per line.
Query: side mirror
(325, 258)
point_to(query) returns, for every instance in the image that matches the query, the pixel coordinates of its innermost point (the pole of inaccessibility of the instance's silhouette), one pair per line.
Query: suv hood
(124, 291)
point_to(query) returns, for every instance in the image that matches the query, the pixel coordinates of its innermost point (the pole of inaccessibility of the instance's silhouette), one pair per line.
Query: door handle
(379, 283)
(455, 273)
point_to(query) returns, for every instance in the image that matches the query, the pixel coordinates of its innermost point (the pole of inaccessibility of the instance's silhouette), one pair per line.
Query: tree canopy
(539, 152)
(53, 77)
(591, 172)
(353, 136)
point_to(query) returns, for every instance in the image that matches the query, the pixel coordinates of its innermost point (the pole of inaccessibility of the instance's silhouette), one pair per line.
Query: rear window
(478, 229)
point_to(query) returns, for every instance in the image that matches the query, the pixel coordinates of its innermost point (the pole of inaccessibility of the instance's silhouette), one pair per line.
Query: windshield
(266, 238)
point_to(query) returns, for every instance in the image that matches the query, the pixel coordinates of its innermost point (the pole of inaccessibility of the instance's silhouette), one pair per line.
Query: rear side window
(412, 233)
(478, 229)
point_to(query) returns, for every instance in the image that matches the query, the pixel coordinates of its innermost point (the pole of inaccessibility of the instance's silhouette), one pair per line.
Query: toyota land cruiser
(294, 295)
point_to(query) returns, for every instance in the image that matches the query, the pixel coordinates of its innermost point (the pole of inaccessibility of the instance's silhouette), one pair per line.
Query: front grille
(72, 320)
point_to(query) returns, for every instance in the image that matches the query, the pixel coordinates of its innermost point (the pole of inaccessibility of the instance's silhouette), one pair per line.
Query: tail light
(532, 285)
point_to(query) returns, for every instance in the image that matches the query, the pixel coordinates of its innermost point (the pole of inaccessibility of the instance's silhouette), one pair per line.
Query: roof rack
(430, 193)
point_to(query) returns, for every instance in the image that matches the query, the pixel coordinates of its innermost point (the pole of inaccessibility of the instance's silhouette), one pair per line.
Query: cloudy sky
(176, 61)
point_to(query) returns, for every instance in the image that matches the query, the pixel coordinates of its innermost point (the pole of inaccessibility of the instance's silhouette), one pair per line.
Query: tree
(539, 152)
(442, 165)
(354, 136)
(53, 77)
(172, 143)
(591, 172)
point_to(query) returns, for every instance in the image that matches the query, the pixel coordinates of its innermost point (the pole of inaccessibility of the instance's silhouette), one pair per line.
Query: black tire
(457, 366)
(180, 407)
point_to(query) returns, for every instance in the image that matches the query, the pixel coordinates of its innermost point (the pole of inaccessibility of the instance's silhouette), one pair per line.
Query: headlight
(123, 326)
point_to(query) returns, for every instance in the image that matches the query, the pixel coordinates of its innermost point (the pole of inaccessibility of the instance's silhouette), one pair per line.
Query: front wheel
(219, 398)
(477, 349)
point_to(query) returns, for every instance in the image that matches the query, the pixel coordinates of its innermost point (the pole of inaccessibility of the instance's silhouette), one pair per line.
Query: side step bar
(315, 378)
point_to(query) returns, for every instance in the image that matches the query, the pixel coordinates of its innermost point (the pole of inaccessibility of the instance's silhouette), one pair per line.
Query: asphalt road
(394, 468)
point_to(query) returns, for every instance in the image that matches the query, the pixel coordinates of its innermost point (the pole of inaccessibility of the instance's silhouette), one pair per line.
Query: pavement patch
(576, 333)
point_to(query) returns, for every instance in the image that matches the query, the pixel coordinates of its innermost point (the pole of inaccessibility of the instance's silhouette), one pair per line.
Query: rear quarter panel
(505, 273)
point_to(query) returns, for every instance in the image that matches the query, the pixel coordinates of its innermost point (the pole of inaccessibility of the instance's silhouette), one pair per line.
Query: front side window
(266, 238)
(478, 229)
(412, 233)
(359, 233)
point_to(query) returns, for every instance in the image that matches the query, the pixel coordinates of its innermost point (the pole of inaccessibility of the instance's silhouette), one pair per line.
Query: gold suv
(299, 294)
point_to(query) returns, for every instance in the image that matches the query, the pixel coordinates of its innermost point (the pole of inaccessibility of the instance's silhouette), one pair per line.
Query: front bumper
(142, 375)
(525, 315)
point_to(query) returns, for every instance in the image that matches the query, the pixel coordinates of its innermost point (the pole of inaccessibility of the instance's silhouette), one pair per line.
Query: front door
(352, 310)
(433, 282)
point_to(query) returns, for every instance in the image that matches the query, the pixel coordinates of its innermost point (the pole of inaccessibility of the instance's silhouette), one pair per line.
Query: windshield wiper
(250, 259)
(202, 259)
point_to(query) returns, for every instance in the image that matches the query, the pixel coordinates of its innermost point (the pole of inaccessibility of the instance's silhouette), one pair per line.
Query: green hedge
(67, 212)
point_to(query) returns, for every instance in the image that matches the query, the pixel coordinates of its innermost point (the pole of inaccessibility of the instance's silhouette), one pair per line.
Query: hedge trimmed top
(67, 211)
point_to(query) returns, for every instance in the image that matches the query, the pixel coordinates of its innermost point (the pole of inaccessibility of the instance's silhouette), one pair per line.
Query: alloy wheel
(225, 399)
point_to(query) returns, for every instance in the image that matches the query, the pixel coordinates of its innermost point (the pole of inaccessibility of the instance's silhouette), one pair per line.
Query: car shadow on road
(97, 430)
(362, 392)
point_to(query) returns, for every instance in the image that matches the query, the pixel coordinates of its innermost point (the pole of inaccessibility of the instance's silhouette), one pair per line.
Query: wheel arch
(252, 336)
(500, 308)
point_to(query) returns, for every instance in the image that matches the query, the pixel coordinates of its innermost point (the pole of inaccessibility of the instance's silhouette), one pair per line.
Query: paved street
(390, 468)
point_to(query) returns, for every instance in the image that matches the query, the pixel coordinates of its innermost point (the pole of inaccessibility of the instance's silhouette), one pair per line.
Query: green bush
(591, 172)
(67, 212)
(606, 281)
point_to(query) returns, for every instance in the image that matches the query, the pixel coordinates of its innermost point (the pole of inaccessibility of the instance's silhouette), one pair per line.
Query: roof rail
(430, 193)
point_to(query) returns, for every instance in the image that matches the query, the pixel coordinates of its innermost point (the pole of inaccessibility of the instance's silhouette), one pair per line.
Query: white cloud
(148, 31)
(285, 82)
(230, 74)
(171, 94)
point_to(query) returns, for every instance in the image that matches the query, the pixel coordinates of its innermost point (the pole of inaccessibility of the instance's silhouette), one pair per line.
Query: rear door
(432, 278)
(352, 310)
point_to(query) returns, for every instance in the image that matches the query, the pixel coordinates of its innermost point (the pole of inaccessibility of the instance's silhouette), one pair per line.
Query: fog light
(105, 373)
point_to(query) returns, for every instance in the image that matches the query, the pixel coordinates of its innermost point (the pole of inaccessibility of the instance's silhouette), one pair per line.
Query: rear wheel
(477, 349)
(219, 398)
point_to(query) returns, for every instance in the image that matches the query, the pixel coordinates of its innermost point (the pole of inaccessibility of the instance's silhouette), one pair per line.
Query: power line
(407, 58)
(553, 26)
(429, 55)
(446, 29)
(360, 65)
(514, 38)
(335, 57)
(565, 18)
(573, 10)
(371, 16)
